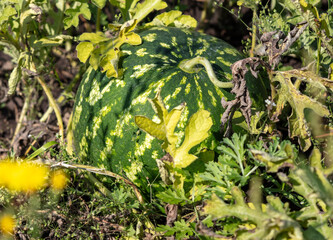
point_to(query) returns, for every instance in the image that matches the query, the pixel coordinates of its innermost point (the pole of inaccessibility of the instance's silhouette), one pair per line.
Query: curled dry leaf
(242, 99)
(272, 48)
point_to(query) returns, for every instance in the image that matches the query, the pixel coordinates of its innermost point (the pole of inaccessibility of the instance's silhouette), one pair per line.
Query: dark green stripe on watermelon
(105, 134)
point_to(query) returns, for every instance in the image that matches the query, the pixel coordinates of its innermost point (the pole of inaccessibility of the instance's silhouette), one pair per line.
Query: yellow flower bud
(58, 180)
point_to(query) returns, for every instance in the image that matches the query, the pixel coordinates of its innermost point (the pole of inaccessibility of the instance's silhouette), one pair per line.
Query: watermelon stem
(188, 65)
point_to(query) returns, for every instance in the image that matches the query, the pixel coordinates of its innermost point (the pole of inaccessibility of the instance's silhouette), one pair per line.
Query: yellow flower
(7, 224)
(22, 176)
(58, 180)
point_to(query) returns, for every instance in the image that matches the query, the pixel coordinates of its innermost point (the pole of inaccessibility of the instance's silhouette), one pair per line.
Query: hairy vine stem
(189, 66)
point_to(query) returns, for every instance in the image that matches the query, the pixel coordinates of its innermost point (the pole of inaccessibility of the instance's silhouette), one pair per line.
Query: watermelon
(105, 134)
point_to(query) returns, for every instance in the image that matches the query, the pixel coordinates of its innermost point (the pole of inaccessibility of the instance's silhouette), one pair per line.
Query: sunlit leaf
(93, 37)
(51, 41)
(165, 19)
(104, 51)
(185, 21)
(99, 3)
(143, 9)
(164, 130)
(287, 93)
(73, 14)
(273, 163)
(83, 50)
(173, 18)
(196, 131)
(109, 63)
(7, 13)
(133, 38)
(16, 74)
(268, 224)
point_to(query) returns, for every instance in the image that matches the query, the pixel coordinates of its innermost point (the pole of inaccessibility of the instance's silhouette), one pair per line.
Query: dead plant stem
(23, 113)
(54, 105)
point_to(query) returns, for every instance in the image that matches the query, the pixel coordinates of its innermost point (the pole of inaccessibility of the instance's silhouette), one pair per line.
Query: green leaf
(99, 3)
(109, 63)
(167, 18)
(16, 74)
(27, 16)
(173, 18)
(125, 6)
(185, 21)
(74, 13)
(288, 93)
(132, 38)
(7, 13)
(181, 230)
(94, 38)
(51, 41)
(119, 3)
(41, 150)
(269, 223)
(173, 196)
(318, 182)
(105, 52)
(196, 131)
(273, 163)
(164, 130)
(143, 9)
(84, 50)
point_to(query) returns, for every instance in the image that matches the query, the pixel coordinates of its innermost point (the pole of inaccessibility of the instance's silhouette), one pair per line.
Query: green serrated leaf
(173, 18)
(173, 196)
(196, 131)
(269, 223)
(105, 52)
(143, 9)
(273, 163)
(287, 93)
(181, 230)
(185, 21)
(165, 19)
(318, 182)
(165, 129)
(74, 13)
